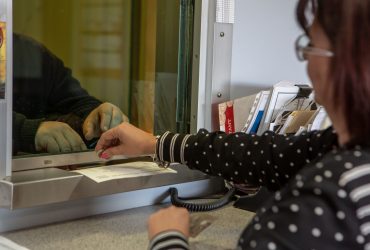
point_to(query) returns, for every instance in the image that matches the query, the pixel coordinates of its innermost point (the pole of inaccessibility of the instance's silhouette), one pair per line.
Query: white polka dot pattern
(314, 182)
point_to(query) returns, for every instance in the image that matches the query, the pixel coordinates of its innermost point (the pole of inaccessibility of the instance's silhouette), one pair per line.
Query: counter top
(127, 230)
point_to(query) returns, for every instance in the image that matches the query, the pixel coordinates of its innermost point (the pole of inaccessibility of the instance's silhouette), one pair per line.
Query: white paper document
(6, 244)
(126, 170)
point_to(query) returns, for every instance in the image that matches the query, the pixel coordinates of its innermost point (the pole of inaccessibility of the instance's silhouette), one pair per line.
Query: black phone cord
(201, 207)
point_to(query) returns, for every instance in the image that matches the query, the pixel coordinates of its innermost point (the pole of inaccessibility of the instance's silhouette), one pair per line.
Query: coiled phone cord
(201, 207)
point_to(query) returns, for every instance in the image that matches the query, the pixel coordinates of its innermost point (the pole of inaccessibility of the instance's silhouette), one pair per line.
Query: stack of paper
(287, 108)
(233, 114)
(256, 114)
(121, 171)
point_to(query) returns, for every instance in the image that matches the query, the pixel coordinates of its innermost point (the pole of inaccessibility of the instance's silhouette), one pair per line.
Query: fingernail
(104, 155)
(99, 152)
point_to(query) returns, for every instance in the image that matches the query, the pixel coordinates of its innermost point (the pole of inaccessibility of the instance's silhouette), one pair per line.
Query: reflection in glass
(185, 66)
(81, 67)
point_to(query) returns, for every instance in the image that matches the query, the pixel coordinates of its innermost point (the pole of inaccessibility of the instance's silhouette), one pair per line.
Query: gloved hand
(101, 119)
(57, 137)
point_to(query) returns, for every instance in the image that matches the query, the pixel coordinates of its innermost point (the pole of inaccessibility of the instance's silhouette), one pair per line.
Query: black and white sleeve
(268, 160)
(169, 240)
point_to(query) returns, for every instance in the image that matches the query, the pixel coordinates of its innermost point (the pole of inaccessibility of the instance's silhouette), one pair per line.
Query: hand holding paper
(125, 139)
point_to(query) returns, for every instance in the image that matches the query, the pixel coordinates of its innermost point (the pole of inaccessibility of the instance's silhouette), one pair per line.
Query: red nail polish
(104, 156)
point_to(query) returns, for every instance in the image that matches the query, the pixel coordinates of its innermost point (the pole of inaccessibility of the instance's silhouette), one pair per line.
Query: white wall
(263, 45)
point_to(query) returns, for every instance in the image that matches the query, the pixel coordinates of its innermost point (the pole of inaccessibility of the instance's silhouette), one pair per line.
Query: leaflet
(125, 170)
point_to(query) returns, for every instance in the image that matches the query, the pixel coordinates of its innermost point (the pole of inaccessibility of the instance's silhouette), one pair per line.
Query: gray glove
(57, 137)
(101, 119)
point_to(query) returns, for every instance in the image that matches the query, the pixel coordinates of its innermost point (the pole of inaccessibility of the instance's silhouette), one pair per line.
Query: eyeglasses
(303, 48)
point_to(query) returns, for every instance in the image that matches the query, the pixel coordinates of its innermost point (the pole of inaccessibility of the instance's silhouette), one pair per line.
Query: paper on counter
(125, 170)
(6, 244)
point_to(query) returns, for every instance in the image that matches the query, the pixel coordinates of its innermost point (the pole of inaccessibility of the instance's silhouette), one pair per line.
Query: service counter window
(81, 67)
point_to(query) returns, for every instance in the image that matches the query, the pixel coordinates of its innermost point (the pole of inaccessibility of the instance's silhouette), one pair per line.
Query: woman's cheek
(313, 75)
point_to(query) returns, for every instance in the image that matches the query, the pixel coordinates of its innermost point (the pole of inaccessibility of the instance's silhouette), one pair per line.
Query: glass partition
(83, 66)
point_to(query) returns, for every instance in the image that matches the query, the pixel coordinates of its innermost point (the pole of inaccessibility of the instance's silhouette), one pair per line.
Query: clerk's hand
(101, 119)
(172, 218)
(57, 137)
(125, 139)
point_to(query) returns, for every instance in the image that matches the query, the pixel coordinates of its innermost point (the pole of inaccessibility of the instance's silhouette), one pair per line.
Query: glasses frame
(302, 51)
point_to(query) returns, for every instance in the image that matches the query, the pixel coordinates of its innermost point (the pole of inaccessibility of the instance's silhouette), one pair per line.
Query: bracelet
(160, 163)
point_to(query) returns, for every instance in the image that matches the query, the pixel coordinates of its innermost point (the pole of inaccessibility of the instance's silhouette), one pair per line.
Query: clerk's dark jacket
(43, 89)
(322, 191)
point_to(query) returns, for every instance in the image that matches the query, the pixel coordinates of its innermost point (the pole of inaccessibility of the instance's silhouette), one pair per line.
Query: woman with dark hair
(321, 178)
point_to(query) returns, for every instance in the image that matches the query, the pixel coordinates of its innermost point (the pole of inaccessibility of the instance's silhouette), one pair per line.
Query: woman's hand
(101, 119)
(125, 139)
(172, 218)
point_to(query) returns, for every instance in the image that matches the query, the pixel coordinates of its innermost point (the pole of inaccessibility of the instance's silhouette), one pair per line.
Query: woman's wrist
(156, 156)
(149, 145)
(168, 239)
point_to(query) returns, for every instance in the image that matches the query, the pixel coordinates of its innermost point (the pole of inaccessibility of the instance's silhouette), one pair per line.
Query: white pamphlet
(6, 244)
(125, 170)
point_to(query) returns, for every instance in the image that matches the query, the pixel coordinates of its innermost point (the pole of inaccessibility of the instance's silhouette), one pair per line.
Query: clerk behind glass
(51, 111)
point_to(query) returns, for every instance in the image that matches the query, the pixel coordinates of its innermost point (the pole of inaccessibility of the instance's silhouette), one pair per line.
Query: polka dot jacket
(322, 198)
